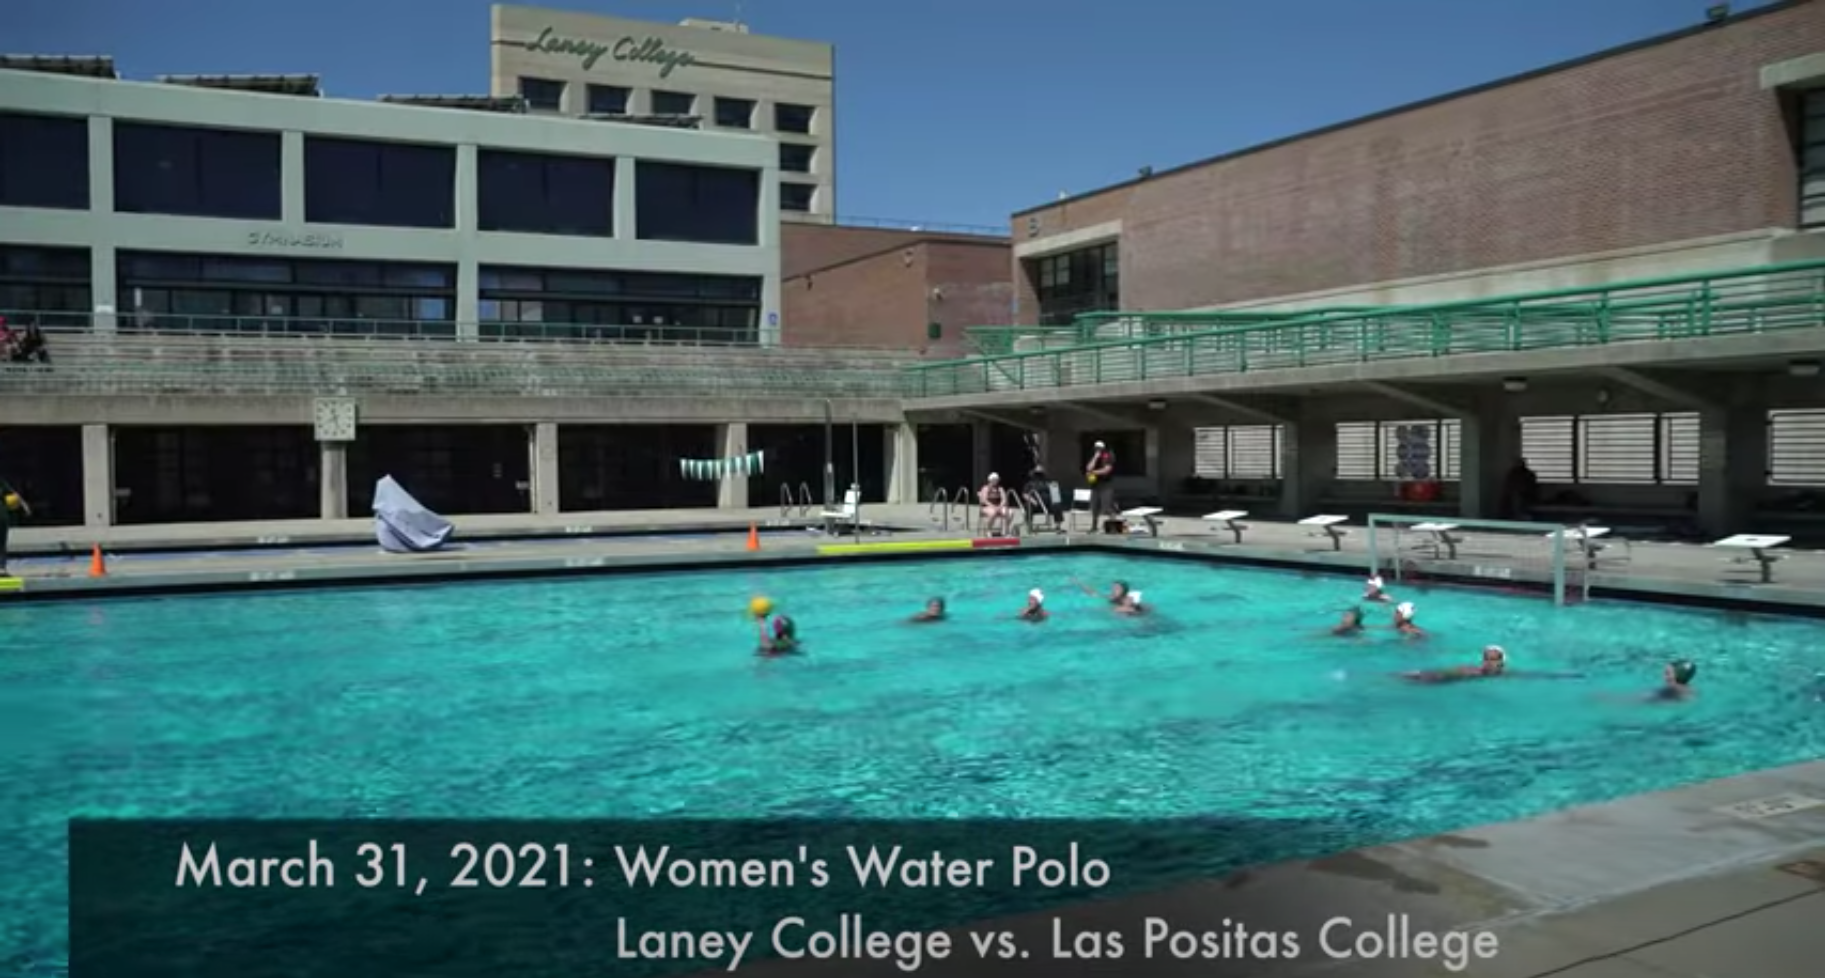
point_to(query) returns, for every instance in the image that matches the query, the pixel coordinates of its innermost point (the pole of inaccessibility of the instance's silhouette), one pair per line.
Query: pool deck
(1675, 884)
(54, 561)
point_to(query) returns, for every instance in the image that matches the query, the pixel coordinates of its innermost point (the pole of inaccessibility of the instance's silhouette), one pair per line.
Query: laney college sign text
(641, 50)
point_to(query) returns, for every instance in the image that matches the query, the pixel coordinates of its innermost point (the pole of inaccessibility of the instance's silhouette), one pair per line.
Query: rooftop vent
(729, 26)
(510, 104)
(303, 85)
(84, 66)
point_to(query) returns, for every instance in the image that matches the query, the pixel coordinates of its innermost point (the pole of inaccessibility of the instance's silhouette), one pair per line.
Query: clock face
(335, 419)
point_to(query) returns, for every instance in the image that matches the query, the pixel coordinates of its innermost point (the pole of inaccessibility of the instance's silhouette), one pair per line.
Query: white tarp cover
(402, 524)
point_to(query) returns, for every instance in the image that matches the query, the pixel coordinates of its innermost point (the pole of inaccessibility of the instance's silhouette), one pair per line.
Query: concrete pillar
(468, 272)
(103, 282)
(333, 480)
(1176, 458)
(1732, 466)
(1489, 443)
(902, 463)
(291, 177)
(1308, 465)
(621, 210)
(546, 500)
(982, 460)
(97, 476)
(732, 491)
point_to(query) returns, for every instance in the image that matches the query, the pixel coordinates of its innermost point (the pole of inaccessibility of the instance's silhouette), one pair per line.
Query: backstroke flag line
(753, 463)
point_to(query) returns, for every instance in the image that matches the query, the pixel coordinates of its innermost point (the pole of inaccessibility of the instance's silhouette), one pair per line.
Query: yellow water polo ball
(760, 607)
(12, 500)
(1091, 479)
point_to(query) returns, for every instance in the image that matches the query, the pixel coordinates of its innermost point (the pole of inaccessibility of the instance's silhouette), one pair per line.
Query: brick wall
(885, 300)
(1655, 145)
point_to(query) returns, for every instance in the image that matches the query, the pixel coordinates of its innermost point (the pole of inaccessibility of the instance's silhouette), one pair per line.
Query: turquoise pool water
(638, 696)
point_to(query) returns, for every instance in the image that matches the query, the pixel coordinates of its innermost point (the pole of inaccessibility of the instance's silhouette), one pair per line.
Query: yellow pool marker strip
(903, 546)
(11, 584)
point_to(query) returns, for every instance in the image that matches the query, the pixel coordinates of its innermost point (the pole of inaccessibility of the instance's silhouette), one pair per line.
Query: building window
(1075, 282)
(234, 294)
(1796, 447)
(1238, 452)
(707, 204)
(796, 197)
(534, 193)
(734, 113)
(1426, 450)
(351, 181)
(196, 172)
(1812, 159)
(793, 118)
(608, 100)
(542, 94)
(1613, 449)
(45, 286)
(44, 161)
(796, 157)
(619, 307)
(674, 103)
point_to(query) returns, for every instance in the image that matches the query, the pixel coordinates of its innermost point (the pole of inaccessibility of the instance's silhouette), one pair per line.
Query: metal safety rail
(942, 504)
(140, 363)
(1743, 301)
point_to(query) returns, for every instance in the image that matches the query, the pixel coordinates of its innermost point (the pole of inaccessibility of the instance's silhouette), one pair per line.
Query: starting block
(1230, 520)
(1327, 525)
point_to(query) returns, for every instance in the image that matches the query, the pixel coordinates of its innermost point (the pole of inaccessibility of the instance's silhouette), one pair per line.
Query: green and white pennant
(753, 463)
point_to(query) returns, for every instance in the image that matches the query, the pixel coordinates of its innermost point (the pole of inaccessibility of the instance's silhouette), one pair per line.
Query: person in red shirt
(1100, 472)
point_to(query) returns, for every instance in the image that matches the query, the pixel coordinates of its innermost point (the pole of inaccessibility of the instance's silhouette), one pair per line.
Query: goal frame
(1385, 555)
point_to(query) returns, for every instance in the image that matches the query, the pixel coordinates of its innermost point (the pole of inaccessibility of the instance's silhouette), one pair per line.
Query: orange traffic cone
(753, 537)
(98, 565)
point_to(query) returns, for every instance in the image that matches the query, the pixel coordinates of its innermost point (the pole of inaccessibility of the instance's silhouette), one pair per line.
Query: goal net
(1540, 557)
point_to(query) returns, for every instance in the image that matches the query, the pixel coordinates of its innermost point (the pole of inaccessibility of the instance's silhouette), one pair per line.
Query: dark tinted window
(44, 161)
(734, 113)
(348, 181)
(674, 103)
(539, 194)
(793, 118)
(607, 100)
(196, 172)
(796, 157)
(542, 94)
(795, 196)
(681, 202)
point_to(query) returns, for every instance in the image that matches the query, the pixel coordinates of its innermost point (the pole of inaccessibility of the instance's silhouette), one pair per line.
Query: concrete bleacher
(142, 363)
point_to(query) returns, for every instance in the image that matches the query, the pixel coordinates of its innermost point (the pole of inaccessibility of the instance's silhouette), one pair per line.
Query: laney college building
(712, 74)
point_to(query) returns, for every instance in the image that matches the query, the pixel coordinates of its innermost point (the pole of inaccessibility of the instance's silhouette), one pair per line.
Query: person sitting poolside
(934, 611)
(1372, 589)
(996, 512)
(1403, 621)
(780, 637)
(1035, 611)
(1350, 624)
(1130, 604)
(1676, 682)
(1494, 664)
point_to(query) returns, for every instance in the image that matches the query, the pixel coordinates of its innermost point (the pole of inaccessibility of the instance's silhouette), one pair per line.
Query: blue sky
(948, 110)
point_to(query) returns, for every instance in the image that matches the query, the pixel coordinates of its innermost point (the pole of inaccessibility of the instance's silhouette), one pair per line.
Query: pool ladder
(942, 502)
(787, 503)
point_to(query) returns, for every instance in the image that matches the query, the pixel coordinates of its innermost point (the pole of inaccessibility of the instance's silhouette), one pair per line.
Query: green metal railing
(1749, 300)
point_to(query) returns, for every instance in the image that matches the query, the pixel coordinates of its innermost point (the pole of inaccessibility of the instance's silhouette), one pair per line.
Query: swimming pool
(637, 696)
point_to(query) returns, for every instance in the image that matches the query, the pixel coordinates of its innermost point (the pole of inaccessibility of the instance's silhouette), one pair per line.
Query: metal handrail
(785, 500)
(966, 499)
(1750, 300)
(940, 509)
(805, 500)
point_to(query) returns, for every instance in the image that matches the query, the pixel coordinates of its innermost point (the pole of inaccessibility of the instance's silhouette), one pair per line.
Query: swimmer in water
(934, 611)
(1676, 682)
(779, 637)
(1130, 604)
(1117, 596)
(1403, 621)
(1372, 590)
(1494, 664)
(1035, 611)
(1351, 624)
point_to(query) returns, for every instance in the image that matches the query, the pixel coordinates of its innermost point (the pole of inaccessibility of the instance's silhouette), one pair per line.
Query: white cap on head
(1134, 598)
(1374, 581)
(1037, 595)
(1497, 651)
(994, 477)
(1099, 445)
(1404, 609)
